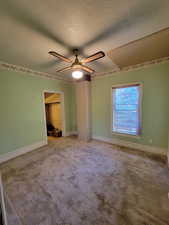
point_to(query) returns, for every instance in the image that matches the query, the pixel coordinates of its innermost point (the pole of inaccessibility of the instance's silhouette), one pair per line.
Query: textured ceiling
(29, 29)
(152, 47)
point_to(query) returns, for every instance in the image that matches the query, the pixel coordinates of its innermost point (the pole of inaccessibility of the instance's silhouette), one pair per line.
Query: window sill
(126, 135)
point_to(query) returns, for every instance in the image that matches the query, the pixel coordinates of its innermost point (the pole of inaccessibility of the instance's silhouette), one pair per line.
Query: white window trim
(140, 109)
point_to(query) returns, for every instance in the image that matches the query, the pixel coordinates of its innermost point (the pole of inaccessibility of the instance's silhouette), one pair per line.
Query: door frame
(62, 110)
(2, 202)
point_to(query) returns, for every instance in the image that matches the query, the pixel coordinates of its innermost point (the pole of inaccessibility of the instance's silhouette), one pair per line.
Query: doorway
(54, 115)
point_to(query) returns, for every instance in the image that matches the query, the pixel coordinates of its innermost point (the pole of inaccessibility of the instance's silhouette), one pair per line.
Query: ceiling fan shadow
(141, 13)
(22, 16)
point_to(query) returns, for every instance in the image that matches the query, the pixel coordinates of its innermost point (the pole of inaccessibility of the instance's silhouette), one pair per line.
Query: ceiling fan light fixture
(77, 74)
(78, 65)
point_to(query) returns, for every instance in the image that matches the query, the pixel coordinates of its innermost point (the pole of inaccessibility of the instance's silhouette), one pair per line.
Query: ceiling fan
(78, 65)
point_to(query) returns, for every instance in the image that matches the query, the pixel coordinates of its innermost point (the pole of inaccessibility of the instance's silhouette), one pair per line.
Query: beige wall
(83, 98)
(52, 97)
(53, 109)
(55, 115)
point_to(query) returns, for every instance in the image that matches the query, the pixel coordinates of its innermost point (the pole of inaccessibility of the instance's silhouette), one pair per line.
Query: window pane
(125, 110)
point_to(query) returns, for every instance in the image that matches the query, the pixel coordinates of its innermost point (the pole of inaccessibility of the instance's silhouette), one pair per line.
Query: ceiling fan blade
(55, 54)
(64, 69)
(93, 57)
(87, 69)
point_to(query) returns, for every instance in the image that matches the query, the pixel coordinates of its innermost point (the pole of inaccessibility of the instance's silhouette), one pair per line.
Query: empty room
(84, 116)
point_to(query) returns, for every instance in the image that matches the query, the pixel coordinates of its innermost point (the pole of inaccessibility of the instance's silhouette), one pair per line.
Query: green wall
(155, 104)
(21, 108)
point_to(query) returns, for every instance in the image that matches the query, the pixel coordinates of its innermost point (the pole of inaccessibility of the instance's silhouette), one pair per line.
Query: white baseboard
(145, 148)
(20, 151)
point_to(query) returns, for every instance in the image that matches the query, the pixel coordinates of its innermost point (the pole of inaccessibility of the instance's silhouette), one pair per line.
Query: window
(126, 109)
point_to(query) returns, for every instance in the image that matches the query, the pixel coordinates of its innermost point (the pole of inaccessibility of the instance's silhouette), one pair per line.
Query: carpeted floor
(70, 182)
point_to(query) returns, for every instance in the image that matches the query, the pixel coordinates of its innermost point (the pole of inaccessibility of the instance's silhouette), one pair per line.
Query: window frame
(140, 85)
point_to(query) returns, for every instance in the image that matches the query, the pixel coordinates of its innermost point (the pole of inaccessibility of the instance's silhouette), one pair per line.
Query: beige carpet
(76, 183)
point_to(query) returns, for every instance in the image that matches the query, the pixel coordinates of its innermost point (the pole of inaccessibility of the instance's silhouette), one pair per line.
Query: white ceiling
(29, 29)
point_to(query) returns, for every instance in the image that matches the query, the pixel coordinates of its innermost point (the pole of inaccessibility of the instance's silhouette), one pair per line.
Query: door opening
(54, 115)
